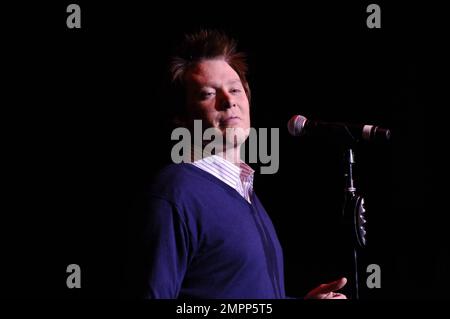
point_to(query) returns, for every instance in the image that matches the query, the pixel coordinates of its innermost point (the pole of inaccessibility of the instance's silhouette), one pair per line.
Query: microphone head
(296, 125)
(375, 133)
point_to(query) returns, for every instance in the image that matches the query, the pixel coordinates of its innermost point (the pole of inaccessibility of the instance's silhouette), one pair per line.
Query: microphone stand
(354, 217)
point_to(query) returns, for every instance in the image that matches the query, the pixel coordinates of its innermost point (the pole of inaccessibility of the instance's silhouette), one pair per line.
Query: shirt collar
(232, 174)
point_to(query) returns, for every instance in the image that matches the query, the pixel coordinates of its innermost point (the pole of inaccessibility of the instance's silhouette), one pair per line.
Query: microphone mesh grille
(296, 124)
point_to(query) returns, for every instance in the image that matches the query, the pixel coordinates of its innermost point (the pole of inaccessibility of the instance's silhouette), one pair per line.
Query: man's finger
(333, 286)
(339, 296)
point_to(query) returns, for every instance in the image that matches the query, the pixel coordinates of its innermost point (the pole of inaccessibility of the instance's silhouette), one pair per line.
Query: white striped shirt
(238, 177)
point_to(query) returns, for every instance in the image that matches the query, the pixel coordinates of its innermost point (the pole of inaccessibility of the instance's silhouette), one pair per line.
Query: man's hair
(197, 47)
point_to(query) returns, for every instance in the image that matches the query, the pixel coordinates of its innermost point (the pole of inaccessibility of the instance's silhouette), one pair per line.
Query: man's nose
(227, 101)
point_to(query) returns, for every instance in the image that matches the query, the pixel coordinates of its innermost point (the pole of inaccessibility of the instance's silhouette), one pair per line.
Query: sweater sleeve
(165, 249)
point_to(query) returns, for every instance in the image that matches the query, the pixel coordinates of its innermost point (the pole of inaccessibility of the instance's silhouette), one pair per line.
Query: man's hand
(327, 291)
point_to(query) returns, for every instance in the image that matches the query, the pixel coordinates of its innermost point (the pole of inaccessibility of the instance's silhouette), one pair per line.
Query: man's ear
(248, 92)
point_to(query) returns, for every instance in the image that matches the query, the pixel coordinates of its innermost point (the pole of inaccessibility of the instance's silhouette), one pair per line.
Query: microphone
(299, 125)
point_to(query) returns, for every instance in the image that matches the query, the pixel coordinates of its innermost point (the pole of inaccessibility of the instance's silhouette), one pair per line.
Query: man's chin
(236, 136)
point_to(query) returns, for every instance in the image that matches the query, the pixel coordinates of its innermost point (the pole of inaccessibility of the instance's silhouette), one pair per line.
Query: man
(206, 234)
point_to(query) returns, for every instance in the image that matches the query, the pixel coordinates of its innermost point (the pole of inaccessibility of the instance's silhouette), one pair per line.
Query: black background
(84, 130)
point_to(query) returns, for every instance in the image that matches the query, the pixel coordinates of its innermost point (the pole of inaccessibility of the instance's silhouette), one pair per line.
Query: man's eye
(234, 91)
(205, 95)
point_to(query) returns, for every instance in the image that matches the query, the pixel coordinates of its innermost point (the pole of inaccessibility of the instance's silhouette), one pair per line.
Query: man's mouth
(230, 120)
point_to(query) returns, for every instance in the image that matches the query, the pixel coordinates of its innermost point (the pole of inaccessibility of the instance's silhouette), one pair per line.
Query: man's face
(215, 95)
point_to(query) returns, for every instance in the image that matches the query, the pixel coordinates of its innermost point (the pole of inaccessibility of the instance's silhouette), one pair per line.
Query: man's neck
(232, 155)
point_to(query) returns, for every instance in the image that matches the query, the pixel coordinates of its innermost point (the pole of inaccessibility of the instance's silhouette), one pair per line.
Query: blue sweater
(204, 240)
